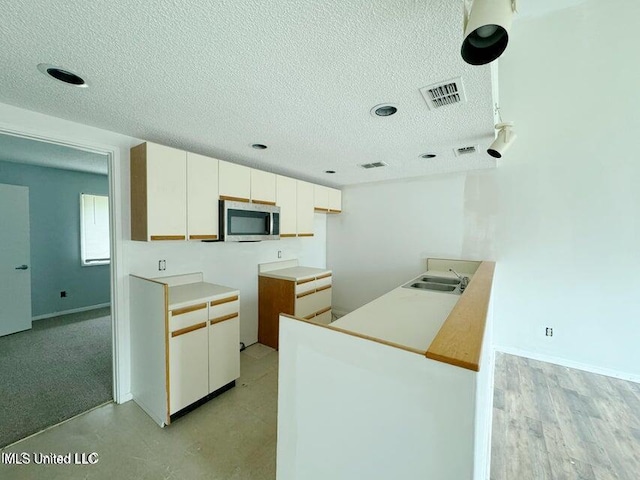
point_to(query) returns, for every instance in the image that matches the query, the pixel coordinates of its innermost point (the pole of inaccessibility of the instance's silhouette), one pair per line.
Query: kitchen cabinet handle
(222, 319)
(223, 300)
(324, 310)
(190, 308)
(235, 199)
(190, 329)
(203, 237)
(323, 288)
(310, 292)
(22, 267)
(264, 202)
(287, 235)
(168, 237)
(306, 280)
(324, 275)
(309, 317)
(305, 234)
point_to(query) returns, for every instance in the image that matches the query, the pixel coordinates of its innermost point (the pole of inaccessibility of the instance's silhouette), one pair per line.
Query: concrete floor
(231, 437)
(234, 436)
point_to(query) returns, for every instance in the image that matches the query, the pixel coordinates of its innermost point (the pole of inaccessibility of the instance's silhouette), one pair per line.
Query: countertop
(198, 292)
(407, 317)
(295, 273)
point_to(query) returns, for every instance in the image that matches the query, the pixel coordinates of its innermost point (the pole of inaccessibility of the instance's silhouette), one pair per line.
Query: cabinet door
(202, 197)
(263, 187)
(166, 193)
(286, 200)
(224, 352)
(304, 208)
(188, 357)
(335, 200)
(234, 181)
(321, 198)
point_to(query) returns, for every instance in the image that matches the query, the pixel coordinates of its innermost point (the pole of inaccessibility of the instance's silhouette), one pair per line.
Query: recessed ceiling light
(428, 155)
(259, 146)
(383, 110)
(62, 75)
(329, 171)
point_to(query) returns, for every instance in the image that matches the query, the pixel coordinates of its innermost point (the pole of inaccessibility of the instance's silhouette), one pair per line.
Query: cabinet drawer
(312, 303)
(324, 318)
(306, 285)
(224, 307)
(187, 316)
(323, 281)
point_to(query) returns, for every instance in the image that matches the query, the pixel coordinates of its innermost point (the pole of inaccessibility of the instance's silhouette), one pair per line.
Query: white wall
(570, 187)
(232, 264)
(387, 230)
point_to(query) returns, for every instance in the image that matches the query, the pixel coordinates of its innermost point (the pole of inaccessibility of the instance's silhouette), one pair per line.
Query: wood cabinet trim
(321, 210)
(223, 318)
(203, 237)
(459, 340)
(305, 234)
(263, 202)
(287, 235)
(275, 296)
(168, 237)
(190, 329)
(166, 352)
(324, 275)
(304, 294)
(326, 287)
(309, 317)
(213, 303)
(234, 199)
(305, 280)
(324, 310)
(190, 308)
(334, 211)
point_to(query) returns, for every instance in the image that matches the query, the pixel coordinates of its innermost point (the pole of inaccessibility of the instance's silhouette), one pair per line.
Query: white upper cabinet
(321, 198)
(158, 193)
(234, 181)
(202, 197)
(263, 187)
(335, 200)
(304, 208)
(286, 193)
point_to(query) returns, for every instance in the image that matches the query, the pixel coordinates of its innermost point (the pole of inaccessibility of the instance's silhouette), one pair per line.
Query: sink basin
(445, 280)
(440, 287)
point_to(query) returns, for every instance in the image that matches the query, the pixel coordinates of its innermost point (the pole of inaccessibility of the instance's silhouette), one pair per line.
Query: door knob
(22, 267)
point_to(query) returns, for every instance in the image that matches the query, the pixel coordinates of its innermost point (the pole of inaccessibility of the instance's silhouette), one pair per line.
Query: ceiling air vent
(465, 150)
(444, 93)
(373, 165)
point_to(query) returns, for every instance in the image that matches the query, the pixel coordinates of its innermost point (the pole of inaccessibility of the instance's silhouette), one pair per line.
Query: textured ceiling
(22, 150)
(299, 76)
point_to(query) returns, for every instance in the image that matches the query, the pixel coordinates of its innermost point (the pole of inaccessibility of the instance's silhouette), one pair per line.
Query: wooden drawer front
(224, 353)
(304, 286)
(324, 318)
(188, 373)
(224, 309)
(186, 317)
(312, 303)
(323, 282)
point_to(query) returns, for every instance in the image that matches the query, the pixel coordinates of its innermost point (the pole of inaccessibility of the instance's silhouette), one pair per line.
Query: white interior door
(15, 273)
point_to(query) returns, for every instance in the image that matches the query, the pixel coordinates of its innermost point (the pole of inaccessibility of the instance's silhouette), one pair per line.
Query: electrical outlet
(162, 265)
(549, 332)
(63, 294)
(279, 253)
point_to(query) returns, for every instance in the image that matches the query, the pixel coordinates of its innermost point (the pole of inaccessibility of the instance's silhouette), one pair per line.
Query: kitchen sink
(445, 280)
(433, 286)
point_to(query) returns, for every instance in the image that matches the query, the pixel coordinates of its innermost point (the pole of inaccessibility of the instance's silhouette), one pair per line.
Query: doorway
(64, 365)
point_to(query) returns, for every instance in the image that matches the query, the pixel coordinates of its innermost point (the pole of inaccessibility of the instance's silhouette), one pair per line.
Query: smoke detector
(374, 165)
(465, 150)
(442, 94)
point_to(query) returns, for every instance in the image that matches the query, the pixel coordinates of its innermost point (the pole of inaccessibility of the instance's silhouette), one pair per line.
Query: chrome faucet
(464, 281)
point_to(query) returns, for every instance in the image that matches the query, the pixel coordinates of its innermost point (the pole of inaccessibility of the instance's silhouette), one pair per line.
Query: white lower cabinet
(224, 361)
(188, 380)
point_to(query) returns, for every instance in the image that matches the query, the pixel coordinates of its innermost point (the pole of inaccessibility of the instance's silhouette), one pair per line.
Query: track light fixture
(486, 29)
(503, 140)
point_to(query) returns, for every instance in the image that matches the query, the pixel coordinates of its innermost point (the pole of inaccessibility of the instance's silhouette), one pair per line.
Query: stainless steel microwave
(248, 222)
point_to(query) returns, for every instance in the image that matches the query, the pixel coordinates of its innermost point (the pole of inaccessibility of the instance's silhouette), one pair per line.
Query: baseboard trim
(568, 363)
(73, 310)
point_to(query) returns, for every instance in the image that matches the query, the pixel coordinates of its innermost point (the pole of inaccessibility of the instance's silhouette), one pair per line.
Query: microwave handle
(269, 224)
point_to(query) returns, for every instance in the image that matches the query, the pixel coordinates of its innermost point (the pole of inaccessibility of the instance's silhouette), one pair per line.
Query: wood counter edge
(459, 340)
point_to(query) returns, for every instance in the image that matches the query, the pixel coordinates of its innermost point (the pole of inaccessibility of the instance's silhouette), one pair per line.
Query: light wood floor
(552, 422)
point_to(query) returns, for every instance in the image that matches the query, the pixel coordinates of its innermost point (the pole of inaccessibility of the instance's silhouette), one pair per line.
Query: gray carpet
(58, 369)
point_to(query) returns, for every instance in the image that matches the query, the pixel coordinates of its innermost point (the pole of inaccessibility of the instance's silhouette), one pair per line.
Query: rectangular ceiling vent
(465, 150)
(444, 93)
(373, 165)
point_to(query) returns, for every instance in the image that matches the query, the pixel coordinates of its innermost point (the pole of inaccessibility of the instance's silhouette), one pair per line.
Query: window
(94, 230)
